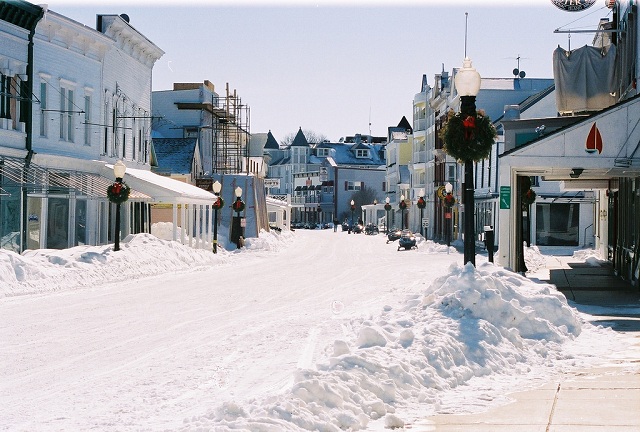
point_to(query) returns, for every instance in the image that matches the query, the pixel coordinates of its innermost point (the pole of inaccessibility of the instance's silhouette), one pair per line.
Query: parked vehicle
(357, 229)
(393, 235)
(371, 229)
(407, 240)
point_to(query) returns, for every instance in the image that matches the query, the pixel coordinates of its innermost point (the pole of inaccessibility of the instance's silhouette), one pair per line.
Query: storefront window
(557, 224)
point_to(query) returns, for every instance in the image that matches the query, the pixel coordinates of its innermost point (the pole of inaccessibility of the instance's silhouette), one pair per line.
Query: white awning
(163, 189)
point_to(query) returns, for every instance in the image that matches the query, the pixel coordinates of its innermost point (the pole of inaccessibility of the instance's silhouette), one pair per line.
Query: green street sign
(505, 197)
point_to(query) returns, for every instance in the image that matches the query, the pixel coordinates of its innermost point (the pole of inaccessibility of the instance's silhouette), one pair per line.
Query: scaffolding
(231, 135)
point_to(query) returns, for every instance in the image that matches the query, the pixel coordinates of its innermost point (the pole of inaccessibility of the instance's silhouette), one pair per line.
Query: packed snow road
(148, 353)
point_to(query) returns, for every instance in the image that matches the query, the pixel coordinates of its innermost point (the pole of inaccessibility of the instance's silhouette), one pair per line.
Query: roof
(404, 124)
(271, 142)
(163, 189)
(345, 154)
(300, 140)
(175, 155)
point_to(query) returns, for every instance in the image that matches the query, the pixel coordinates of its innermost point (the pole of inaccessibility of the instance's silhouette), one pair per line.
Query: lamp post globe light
(118, 193)
(467, 82)
(217, 205)
(387, 208)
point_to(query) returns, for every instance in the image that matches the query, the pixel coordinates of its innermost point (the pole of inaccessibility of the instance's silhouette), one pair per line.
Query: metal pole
(215, 231)
(116, 242)
(469, 240)
(468, 107)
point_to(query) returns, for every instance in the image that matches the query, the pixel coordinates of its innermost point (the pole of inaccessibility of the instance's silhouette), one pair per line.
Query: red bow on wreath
(469, 125)
(116, 188)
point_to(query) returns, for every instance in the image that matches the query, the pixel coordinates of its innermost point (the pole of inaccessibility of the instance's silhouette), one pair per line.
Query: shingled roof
(300, 140)
(175, 155)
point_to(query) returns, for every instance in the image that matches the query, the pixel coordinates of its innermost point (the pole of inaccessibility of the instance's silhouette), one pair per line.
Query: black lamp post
(118, 193)
(319, 210)
(387, 208)
(238, 207)
(217, 187)
(403, 206)
(353, 209)
(467, 82)
(421, 205)
(447, 215)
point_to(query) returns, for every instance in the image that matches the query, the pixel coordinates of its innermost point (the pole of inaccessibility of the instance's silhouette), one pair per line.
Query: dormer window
(362, 153)
(322, 152)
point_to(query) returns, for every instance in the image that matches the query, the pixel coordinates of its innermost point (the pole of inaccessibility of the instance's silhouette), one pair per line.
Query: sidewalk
(603, 399)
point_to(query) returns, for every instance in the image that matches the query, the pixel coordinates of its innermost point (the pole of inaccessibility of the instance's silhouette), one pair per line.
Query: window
(362, 153)
(87, 120)
(557, 224)
(323, 152)
(5, 97)
(451, 174)
(66, 114)
(353, 186)
(43, 108)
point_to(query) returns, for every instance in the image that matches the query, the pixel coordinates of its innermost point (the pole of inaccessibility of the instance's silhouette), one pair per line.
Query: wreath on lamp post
(403, 205)
(118, 192)
(218, 204)
(421, 203)
(529, 197)
(468, 138)
(238, 205)
(449, 200)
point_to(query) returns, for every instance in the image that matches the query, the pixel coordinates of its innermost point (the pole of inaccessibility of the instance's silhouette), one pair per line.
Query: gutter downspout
(28, 129)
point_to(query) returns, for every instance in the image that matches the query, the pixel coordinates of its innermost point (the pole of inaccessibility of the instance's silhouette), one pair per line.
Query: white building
(90, 106)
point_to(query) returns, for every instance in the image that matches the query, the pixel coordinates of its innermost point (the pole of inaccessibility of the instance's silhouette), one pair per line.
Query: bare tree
(311, 136)
(362, 197)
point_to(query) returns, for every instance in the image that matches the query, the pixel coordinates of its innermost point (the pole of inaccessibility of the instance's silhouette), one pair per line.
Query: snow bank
(140, 255)
(470, 323)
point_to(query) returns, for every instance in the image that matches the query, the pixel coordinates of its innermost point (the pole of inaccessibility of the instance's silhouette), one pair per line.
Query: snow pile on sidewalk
(140, 256)
(470, 323)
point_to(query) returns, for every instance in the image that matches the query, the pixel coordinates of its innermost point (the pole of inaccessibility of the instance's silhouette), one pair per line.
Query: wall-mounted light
(575, 172)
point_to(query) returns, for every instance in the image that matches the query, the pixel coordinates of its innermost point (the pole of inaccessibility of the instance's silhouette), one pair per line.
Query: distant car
(393, 235)
(357, 229)
(407, 240)
(371, 229)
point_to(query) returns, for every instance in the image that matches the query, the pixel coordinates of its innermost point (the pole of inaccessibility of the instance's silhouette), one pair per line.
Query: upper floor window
(5, 96)
(323, 152)
(66, 114)
(362, 153)
(353, 186)
(87, 120)
(43, 109)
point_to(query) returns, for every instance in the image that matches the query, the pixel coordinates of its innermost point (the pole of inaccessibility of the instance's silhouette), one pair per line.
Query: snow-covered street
(312, 329)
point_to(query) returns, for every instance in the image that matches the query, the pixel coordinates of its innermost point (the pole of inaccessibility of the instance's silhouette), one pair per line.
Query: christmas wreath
(449, 200)
(218, 204)
(467, 137)
(387, 207)
(238, 205)
(403, 205)
(118, 192)
(529, 197)
(421, 203)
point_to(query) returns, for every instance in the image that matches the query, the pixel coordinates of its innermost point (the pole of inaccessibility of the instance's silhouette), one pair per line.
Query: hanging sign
(573, 5)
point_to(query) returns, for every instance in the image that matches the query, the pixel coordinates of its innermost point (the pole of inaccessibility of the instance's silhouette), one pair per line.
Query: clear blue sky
(334, 66)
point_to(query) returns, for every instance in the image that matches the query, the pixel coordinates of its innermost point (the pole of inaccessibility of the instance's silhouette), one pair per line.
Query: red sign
(594, 141)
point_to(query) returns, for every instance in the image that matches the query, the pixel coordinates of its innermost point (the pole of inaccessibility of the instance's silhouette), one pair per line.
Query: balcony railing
(419, 124)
